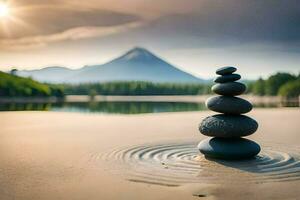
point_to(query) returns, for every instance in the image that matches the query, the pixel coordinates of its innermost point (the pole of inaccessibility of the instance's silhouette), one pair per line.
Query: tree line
(136, 88)
(15, 86)
(283, 84)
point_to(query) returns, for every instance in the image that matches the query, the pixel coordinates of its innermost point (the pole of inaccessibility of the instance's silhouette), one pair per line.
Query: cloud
(49, 19)
(233, 22)
(36, 24)
(70, 34)
(188, 24)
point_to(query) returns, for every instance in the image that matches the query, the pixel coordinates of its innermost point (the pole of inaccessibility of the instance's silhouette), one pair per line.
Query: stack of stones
(228, 128)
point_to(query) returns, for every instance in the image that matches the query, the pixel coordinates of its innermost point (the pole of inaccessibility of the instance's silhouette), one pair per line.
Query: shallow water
(174, 164)
(121, 107)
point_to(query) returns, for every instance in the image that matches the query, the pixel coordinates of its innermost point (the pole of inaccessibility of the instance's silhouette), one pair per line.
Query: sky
(259, 37)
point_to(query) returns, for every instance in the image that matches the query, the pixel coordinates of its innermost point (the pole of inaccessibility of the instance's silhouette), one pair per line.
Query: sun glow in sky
(4, 10)
(197, 36)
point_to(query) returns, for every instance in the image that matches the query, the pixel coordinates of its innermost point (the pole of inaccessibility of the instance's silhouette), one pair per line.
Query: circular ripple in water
(179, 163)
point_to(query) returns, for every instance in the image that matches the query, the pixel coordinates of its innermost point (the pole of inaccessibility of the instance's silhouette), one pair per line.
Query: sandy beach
(51, 155)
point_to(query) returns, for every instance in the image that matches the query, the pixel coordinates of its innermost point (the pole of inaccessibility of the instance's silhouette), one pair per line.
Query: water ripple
(179, 163)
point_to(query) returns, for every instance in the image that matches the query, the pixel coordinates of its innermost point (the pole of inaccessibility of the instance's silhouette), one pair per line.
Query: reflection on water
(120, 107)
(277, 105)
(107, 107)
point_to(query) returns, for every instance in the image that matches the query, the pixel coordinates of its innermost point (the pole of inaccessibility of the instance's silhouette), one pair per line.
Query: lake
(132, 107)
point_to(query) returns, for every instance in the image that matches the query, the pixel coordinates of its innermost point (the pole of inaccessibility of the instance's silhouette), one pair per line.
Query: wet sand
(49, 155)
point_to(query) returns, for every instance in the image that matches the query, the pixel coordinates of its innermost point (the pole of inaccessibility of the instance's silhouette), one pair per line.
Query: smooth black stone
(229, 89)
(227, 78)
(226, 70)
(223, 125)
(229, 149)
(228, 105)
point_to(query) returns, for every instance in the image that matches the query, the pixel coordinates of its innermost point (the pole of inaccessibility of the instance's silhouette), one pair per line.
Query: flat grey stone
(223, 125)
(229, 149)
(229, 89)
(228, 105)
(226, 70)
(227, 78)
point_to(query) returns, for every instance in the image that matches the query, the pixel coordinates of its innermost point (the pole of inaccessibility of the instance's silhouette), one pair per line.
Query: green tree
(274, 82)
(14, 86)
(13, 72)
(92, 94)
(258, 87)
(137, 88)
(290, 89)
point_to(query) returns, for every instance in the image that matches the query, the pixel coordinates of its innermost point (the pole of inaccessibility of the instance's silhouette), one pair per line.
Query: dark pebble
(228, 105)
(229, 149)
(229, 89)
(223, 125)
(227, 78)
(226, 70)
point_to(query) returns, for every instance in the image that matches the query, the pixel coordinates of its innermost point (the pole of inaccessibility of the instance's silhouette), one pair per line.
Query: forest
(279, 84)
(15, 86)
(136, 88)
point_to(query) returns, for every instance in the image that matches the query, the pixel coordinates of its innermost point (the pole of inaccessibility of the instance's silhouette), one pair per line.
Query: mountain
(48, 74)
(137, 64)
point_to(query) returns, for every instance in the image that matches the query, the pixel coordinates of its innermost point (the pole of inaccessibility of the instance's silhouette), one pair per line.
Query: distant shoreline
(150, 98)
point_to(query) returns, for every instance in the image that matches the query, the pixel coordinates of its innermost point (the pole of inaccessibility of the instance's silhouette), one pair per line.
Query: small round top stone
(226, 70)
